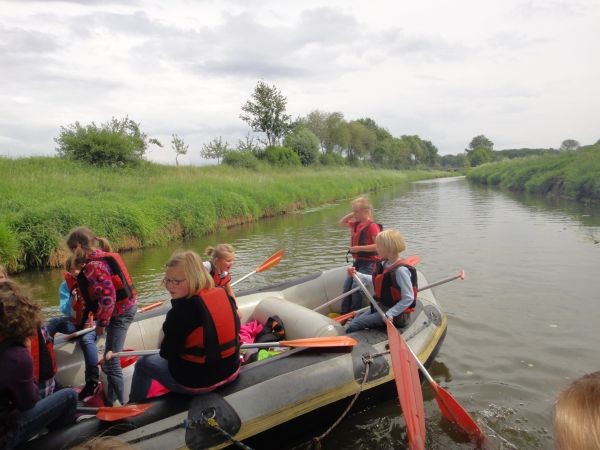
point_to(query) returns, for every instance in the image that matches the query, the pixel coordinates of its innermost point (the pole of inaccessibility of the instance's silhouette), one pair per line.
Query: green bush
(9, 248)
(305, 143)
(244, 160)
(114, 143)
(282, 157)
(332, 159)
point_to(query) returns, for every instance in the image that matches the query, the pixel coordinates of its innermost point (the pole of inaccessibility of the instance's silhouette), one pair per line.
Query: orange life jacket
(120, 278)
(386, 287)
(77, 300)
(42, 353)
(359, 237)
(219, 336)
(217, 277)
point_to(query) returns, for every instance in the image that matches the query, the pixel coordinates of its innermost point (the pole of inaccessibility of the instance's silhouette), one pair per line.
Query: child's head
(221, 256)
(82, 240)
(19, 316)
(3, 273)
(73, 265)
(390, 244)
(577, 415)
(185, 275)
(362, 208)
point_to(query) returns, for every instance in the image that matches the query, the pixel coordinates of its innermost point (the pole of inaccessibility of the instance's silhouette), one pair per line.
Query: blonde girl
(196, 355)
(220, 259)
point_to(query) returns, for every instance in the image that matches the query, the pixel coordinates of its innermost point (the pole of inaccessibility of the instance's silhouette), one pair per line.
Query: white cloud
(522, 72)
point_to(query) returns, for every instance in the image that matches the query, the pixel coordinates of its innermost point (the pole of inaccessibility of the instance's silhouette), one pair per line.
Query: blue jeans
(54, 411)
(354, 301)
(116, 332)
(153, 367)
(87, 342)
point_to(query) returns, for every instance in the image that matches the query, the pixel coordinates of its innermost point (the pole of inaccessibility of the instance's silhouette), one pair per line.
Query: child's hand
(108, 355)
(351, 271)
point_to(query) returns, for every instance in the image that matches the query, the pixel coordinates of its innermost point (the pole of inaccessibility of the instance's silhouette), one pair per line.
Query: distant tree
(282, 157)
(569, 144)
(480, 155)
(179, 146)
(453, 161)
(215, 149)
(248, 145)
(362, 141)
(304, 143)
(480, 142)
(337, 133)
(315, 121)
(119, 142)
(431, 156)
(381, 133)
(265, 112)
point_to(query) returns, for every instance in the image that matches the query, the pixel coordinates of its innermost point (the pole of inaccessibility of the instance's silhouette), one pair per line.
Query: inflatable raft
(270, 392)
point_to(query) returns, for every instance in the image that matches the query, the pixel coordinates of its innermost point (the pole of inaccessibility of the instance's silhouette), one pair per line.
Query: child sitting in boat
(72, 305)
(221, 259)
(195, 356)
(22, 416)
(362, 247)
(577, 415)
(394, 282)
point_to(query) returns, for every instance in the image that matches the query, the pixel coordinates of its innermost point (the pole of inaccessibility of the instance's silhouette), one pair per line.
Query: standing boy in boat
(109, 294)
(72, 305)
(22, 413)
(362, 247)
(200, 350)
(394, 282)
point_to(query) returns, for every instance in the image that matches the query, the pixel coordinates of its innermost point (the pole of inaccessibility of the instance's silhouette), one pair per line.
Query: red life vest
(386, 287)
(77, 301)
(359, 237)
(120, 278)
(218, 337)
(217, 276)
(42, 353)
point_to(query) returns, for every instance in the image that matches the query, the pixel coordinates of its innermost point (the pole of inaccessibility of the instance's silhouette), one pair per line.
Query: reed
(42, 198)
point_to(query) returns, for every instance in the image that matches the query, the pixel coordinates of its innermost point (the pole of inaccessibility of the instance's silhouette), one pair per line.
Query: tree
(304, 143)
(248, 145)
(362, 140)
(480, 155)
(265, 112)
(180, 147)
(337, 133)
(315, 122)
(569, 144)
(480, 142)
(215, 149)
(119, 142)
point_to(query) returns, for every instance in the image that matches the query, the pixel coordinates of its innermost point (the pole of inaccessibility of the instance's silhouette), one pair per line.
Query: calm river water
(521, 326)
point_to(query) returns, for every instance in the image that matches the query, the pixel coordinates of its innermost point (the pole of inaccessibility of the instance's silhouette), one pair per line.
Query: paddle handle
(243, 278)
(461, 275)
(153, 351)
(63, 339)
(339, 297)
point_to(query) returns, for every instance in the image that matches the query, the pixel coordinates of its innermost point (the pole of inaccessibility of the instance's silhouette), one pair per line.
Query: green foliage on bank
(41, 199)
(573, 174)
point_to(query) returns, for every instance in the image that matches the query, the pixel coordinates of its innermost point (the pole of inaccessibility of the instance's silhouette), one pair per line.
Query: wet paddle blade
(344, 317)
(326, 341)
(271, 262)
(112, 413)
(408, 385)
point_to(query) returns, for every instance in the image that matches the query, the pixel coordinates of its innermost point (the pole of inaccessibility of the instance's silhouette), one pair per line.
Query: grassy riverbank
(41, 199)
(574, 174)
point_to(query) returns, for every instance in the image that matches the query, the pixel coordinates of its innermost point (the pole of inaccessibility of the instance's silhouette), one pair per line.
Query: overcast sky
(524, 73)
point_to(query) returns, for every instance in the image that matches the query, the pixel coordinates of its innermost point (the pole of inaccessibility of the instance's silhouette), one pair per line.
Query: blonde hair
(19, 315)
(103, 443)
(363, 203)
(196, 275)
(82, 240)
(391, 241)
(577, 415)
(218, 251)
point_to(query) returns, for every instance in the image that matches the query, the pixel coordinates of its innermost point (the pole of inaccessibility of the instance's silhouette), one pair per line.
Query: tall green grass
(41, 199)
(570, 174)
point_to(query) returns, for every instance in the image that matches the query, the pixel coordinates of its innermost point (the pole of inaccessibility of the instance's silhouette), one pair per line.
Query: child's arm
(346, 220)
(64, 297)
(403, 279)
(364, 277)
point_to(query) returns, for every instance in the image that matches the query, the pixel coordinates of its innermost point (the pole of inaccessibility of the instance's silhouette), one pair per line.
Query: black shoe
(91, 388)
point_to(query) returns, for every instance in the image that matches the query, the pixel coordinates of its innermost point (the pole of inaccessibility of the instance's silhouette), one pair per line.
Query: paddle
(60, 340)
(351, 314)
(112, 413)
(315, 342)
(151, 306)
(407, 379)
(272, 261)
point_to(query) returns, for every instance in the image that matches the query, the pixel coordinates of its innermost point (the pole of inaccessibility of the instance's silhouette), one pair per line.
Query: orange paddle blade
(326, 341)
(112, 413)
(150, 307)
(412, 260)
(271, 262)
(344, 317)
(408, 385)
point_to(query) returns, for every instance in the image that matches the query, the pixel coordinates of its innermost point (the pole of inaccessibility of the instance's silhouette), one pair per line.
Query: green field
(573, 174)
(41, 199)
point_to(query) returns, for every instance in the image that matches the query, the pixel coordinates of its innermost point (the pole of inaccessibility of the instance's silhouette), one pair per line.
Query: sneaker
(90, 389)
